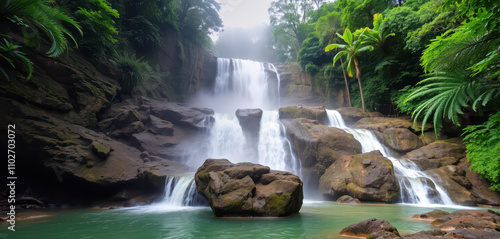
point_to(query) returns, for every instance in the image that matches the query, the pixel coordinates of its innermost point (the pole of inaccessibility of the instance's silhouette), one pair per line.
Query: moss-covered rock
(247, 189)
(100, 150)
(308, 112)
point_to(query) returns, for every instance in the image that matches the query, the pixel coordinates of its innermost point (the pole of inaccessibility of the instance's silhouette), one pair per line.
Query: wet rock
(346, 199)
(296, 85)
(438, 150)
(468, 219)
(368, 228)
(317, 145)
(249, 120)
(431, 234)
(159, 126)
(431, 216)
(125, 133)
(156, 172)
(457, 192)
(349, 176)
(472, 234)
(480, 187)
(351, 115)
(401, 139)
(308, 112)
(247, 189)
(425, 164)
(100, 150)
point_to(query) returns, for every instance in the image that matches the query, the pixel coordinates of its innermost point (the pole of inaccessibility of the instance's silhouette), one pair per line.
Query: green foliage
(465, 66)
(359, 13)
(97, 20)
(141, 31)
(40, 17)
(197, 19)
(134, 70)
(11, 54)
(483, 149)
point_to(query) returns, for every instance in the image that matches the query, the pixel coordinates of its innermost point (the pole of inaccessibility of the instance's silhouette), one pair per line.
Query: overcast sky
(244, 13)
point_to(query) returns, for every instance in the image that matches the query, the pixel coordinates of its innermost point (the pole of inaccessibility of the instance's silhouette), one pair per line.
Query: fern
(11, 54)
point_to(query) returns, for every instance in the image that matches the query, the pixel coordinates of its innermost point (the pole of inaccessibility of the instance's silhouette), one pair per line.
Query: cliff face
(296, 86)
(58, 111)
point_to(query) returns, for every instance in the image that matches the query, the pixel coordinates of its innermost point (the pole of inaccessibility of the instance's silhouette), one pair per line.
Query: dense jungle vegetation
(438, 60)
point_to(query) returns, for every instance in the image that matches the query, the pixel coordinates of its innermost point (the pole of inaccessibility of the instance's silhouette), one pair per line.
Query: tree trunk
(358, 75)
(346, 85)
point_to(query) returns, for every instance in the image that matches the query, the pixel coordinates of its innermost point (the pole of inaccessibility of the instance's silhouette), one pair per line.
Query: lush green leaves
(11, 54)
(483, 149)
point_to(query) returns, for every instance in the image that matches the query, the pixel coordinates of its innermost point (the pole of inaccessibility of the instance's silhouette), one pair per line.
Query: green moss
(277, 204)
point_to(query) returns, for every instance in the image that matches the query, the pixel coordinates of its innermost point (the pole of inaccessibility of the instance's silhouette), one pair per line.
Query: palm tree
(351, 50)
(377, 37)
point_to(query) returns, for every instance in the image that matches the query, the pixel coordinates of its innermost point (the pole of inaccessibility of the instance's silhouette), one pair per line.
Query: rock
(100, 150)
(317, 145)
(431, 216)
(457, 193)
(430, 137)
(127, 132)
(431, 234)
(468, 219)
(382, 123)
(472, 234)
(308, 112)
(369, 227)
(425, 163)
(296, 86)
(247, 189)
(177, 113)
(152, 143)
(401, 139)
(374, 182)
(249, 120)
(346, 199)
(480, 187)
(159, 126)
(156, 172)
(439, 149)
(351, 115)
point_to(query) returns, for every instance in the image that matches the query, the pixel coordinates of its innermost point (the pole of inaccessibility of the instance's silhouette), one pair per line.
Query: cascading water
(239, 84)
(416, 186)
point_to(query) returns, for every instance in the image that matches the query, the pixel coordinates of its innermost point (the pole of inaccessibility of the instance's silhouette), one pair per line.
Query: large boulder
(296, 85)
(351, 115)
(247, 189)
(309, 112)
(430, 216)
(401, 139)
(317, 145)
(371, 228)
(469, 219)
(381, 123)
(480, 187)
(438, 150)
(368, 177)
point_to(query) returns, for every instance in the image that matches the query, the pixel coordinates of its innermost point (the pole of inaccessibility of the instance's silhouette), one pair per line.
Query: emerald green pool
(316, 220)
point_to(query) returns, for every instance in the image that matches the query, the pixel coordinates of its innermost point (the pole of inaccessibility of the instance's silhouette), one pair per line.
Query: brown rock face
(401, 139)
(317, 145)
(351, 115)
(438, 150)
(480, 187)
(457, 192)
(296, 86)
(368, 176)
(247, 189)
(308, 112)
(469, 219)
(371, 228)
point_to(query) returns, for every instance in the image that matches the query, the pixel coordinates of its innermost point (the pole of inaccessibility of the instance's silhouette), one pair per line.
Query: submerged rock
(368, 176)
(247, 189)
(431, 216)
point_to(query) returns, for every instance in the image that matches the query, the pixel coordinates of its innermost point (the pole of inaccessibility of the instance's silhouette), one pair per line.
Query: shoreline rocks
(247, 189)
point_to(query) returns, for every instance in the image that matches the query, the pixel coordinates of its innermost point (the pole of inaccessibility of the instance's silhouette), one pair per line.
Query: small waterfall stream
(416, 186)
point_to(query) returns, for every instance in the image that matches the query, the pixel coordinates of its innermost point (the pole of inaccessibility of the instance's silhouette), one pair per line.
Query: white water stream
(416, 186)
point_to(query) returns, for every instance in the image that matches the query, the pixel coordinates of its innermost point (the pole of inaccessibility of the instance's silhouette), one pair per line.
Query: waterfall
(239, 84)
(179, 191)
(415, 185)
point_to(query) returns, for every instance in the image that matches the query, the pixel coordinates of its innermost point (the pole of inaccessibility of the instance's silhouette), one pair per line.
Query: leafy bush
(312, 69)
(134, 70)
(483, 149)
